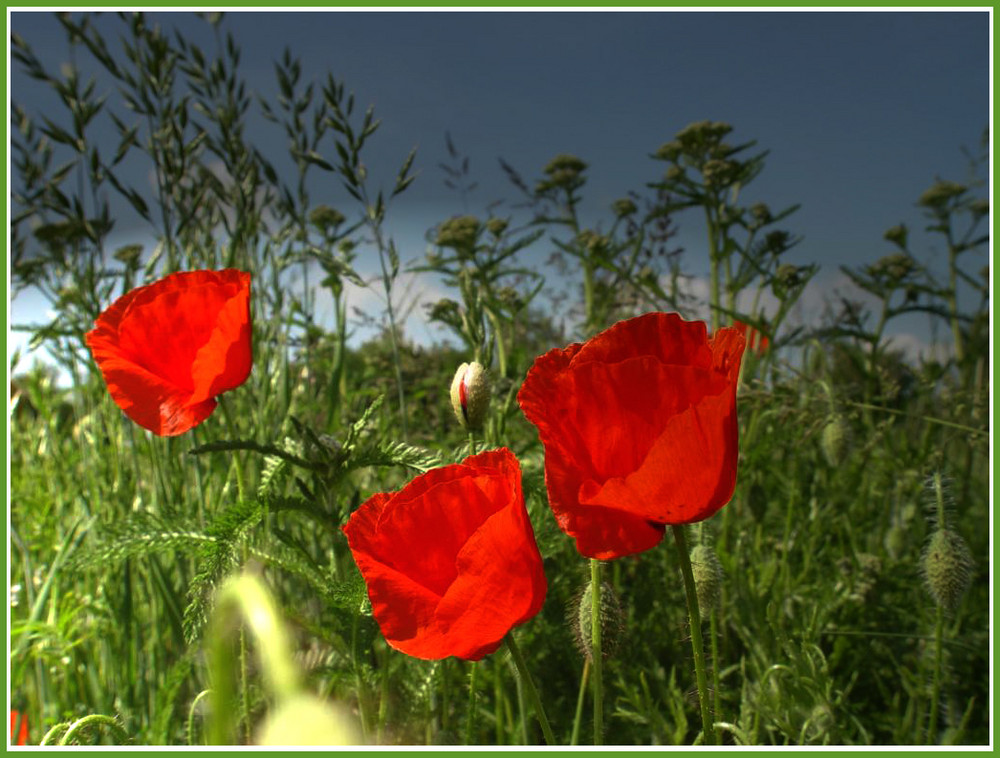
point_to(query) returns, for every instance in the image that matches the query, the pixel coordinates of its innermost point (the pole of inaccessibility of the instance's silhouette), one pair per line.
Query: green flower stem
(575, 738)
(716, 689)
(696, 640)
(596, 651)
(529, 687)
(932, 717)
(470, 724)
(498, 701)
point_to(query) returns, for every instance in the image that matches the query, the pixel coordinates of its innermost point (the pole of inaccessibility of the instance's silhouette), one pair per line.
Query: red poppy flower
(168, 349)
(18, 727)
(639, 428)
(755, 339)
(450, 560)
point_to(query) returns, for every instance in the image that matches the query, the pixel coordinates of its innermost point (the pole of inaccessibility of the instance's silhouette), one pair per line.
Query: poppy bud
(612, 621)
(470, 395)
(947, 567)
(707, 577)
(834, 440)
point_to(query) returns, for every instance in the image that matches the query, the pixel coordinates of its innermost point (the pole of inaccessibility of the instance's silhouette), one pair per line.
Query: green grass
(824, 632)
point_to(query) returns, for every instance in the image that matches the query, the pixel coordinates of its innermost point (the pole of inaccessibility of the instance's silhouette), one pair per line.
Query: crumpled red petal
(168, 349)
(450, 560)
(639, 430)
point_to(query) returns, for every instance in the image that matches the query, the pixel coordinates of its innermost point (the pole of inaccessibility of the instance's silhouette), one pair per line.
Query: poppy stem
(579, 702)
(470, 724)
(596, 649)
(529, 687)
(696, 637)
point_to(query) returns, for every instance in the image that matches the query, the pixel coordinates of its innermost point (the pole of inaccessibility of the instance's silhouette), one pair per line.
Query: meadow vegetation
(851, 568)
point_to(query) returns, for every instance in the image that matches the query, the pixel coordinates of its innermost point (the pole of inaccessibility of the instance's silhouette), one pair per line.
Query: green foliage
(822, 630)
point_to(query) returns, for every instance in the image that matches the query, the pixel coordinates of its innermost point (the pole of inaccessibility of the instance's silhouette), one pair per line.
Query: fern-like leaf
(142, 533)
(220, 558)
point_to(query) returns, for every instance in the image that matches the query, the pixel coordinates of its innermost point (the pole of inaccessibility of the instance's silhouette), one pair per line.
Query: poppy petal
(503, 580)
(450, 560)
(150, 401)
(639, 429)
(688, 475)
(167, 349)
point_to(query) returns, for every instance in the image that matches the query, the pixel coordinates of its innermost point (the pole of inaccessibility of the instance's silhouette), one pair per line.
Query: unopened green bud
(835, 439)
(707, 578)
(947, 567)
(470, 395)
(895, 267)
(719, 172)
(612, 621)
(568, 164)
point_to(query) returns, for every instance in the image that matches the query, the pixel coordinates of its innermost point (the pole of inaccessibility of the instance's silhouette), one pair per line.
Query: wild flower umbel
(325, 218)
(938, 194)
(624, 207)
(459, 233)
(562, 172)
(497, 226)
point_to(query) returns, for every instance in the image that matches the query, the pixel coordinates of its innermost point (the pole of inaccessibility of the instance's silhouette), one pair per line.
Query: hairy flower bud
(470, 395)
(835, 439)
(947, 567)
(707, 578)
(612, 620)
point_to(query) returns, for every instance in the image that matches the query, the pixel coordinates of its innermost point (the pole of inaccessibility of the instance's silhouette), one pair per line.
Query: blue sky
(860, 110)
